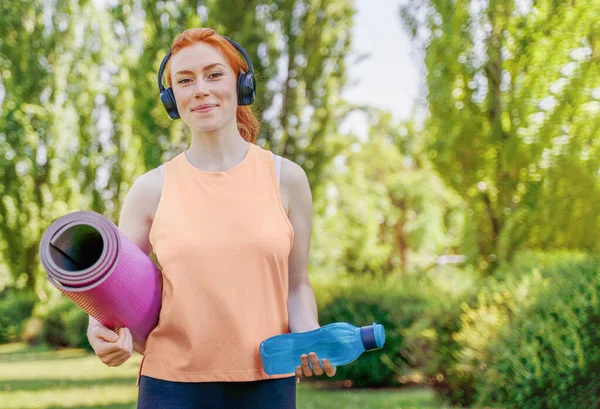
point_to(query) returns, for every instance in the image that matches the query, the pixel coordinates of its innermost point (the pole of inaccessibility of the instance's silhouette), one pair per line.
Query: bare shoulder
(292, 174)
(294, 185)
(143, 196)
(151, 182)
(149, 188)
(139, 208)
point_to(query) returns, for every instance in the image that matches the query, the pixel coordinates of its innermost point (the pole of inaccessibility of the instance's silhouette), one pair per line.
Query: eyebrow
(209, 66)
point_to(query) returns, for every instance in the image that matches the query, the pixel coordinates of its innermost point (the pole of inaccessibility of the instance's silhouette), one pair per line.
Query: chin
(209, 124)
(204, 126)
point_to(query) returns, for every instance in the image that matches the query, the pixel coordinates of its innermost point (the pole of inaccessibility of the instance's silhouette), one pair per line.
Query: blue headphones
(246, 84)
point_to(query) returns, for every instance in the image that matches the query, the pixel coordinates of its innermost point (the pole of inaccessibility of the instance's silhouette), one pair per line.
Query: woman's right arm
(135, 222)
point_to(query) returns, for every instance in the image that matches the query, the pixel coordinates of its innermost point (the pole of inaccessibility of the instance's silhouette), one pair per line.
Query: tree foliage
(514, 97)
(81, 117)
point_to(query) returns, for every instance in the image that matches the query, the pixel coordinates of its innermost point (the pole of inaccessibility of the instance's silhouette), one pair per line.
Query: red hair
(247, 123)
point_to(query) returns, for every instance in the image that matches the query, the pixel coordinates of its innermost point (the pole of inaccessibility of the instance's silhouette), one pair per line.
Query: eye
(216, 74)
(181, 80)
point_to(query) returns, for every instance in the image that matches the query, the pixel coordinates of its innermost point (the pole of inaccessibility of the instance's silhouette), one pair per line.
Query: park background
(452, 151)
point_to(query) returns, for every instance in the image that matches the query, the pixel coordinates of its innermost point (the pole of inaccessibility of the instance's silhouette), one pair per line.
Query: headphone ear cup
(240, 88)
(168, 100)
(246, 89)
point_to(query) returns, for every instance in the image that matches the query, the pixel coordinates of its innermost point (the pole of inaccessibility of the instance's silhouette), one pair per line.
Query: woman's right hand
(113, 349)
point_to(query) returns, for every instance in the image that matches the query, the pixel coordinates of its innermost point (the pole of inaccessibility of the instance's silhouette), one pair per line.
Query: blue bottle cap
(373, 336)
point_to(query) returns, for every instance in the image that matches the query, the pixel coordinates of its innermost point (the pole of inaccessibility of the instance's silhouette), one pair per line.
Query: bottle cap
(373, 336)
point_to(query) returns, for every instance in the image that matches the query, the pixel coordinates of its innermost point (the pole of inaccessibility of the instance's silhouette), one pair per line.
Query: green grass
(43, 379)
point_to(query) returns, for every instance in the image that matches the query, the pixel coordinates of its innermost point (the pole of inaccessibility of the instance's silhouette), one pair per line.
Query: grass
(75, 379)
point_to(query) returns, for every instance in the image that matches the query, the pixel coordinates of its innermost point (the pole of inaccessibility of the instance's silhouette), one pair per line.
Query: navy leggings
(265, 394)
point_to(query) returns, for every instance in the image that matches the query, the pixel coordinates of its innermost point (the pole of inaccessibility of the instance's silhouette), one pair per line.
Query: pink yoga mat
(96, 266)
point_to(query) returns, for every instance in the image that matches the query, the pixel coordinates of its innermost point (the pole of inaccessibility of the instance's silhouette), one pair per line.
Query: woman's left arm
(302, 307)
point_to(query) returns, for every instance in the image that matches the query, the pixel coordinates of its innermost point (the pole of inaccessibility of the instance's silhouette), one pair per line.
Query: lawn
(75, 379)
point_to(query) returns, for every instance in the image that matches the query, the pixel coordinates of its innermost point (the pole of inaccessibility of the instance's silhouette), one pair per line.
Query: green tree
(46, 163)
(513, 125)
(384, 209)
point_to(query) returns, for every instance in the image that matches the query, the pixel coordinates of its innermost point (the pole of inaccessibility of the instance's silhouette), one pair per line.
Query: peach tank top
(223, 241)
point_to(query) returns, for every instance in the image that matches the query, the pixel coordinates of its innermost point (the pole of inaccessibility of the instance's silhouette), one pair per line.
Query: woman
(232, 236)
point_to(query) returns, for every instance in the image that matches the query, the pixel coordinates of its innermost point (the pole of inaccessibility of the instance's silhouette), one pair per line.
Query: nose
(201, 89)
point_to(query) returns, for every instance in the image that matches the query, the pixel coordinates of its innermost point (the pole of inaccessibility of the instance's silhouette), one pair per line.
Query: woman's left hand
(317, 369)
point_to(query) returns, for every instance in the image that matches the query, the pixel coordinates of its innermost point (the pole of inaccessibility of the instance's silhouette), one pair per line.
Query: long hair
(247, 123)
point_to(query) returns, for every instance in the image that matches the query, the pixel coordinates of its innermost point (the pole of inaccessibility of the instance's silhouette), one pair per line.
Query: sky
(388, 78)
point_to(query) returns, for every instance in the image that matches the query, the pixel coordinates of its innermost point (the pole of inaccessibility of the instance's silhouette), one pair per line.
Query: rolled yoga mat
(95, 265)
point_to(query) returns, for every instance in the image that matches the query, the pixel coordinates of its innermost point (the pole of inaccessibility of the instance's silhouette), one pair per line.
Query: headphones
(246, 84)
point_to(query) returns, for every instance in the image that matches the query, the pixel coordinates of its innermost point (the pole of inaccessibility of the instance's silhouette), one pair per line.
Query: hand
(113, 349)
(317, 368)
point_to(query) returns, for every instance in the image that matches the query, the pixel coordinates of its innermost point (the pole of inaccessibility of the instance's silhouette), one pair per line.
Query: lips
(204, 108)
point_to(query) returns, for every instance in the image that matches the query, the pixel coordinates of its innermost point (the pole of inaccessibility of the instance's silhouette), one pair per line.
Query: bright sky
(388, 78)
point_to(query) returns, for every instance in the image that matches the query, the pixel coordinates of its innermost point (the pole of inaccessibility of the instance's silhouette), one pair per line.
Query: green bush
(15, 308)
(65, 325)
(482, 320)
(434, 348)
(522, 323)
(417, 316)
(549, 355)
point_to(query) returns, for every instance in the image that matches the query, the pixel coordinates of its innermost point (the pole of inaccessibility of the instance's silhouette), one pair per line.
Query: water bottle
(339, 342)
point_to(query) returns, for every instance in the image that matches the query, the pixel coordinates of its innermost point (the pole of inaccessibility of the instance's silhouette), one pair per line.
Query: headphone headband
(246, 85)
(161, 70)
(243, 52)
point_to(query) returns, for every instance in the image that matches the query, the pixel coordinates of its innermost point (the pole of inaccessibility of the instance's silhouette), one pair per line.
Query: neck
(217, 150)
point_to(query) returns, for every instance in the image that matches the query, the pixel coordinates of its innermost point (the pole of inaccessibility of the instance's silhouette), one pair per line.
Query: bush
(15, 308)
(549, 355)
(496, 304)
(529, 338)
(416, 316)
(65, 325)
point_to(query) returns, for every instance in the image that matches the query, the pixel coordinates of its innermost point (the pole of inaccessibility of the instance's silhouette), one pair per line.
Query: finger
(305, 368)
(129, 342)
(107, 348)
(113, 359)
(118, 361)
(330, 370)
(316, 365)
(299, 372)
(123, 337)
(106, 334)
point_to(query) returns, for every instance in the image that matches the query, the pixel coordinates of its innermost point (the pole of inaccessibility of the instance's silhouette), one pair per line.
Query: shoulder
(145, 192)
(292, 174)
(150, 183)
(294, 183)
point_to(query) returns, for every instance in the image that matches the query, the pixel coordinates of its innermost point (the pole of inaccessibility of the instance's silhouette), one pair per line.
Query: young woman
(230, 227)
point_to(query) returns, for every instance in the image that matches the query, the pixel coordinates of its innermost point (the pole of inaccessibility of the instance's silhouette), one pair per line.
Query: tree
(513, 117)
(384, 210)
(47, 163)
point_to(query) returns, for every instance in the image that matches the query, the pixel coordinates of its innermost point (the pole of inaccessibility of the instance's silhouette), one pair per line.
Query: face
(204, 86)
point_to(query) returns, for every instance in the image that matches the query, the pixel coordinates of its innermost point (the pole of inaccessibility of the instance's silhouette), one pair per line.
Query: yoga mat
(104, 273)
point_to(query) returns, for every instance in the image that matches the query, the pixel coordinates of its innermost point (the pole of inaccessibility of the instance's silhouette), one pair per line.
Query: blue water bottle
(340, 343)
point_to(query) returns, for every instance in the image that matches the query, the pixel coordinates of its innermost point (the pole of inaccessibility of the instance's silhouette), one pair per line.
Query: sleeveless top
(222, 240)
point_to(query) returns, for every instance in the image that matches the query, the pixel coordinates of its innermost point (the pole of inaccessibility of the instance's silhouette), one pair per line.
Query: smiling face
(204, 85)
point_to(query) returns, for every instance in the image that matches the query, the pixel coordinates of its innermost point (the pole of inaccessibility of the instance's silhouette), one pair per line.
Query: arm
(135, 221)
(302, 307)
